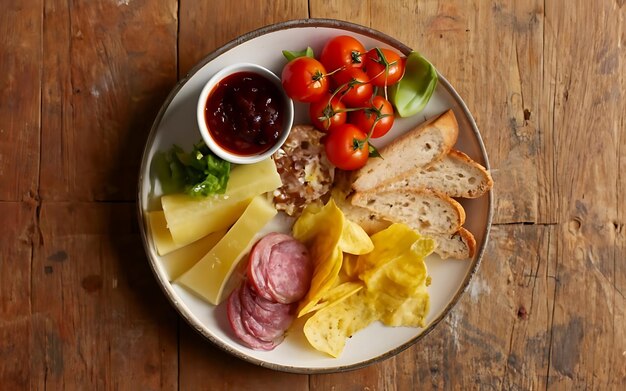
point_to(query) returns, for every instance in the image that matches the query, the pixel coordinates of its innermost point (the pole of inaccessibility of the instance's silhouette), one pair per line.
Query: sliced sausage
(264, 325)
(280, 268)
(259, 257)
(234, 311)
(289, 272)
(267, 313)
(263, 307)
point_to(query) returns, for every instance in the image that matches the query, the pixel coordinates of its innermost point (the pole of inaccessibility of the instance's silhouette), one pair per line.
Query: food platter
(176, 124)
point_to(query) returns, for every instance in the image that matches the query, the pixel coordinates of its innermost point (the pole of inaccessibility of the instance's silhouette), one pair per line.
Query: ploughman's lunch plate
(176, 124)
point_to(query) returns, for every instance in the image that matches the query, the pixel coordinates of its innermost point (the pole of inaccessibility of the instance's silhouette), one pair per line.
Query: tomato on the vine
(355, 87)
(304, 79)
(341, 52)
(326, 114)
(380, 109)
(347, 147)
(384, 67)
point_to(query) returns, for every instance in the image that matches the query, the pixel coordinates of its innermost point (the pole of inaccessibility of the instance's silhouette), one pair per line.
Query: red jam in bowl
(244, 113)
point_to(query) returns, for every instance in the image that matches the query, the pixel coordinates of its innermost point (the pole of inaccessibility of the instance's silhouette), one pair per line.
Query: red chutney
(244, 113)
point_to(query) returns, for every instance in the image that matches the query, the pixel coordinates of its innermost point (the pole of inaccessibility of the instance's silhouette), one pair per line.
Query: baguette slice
(426, 143)
(456, 175)
(369, 221)
(460, 245)
(426, 211)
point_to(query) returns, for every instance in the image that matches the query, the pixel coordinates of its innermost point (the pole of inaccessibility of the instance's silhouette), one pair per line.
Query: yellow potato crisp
(328, 329)
(393, 289)
(327, 234)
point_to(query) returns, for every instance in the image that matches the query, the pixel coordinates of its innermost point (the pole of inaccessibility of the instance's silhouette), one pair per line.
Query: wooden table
(81, 82)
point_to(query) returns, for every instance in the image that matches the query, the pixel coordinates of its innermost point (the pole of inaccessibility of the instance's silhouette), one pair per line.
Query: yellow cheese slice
(181, 260)
(201, 217)
(209, 277)
(189, 218)
(161, 236)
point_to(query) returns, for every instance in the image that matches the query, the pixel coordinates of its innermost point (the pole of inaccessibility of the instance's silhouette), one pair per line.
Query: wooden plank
(20, 97)
(203, 363)
(17, 232)
(205, 26)
(107, 68)
(103, 322)
(457, 36)
(586, 104)
(391, 18)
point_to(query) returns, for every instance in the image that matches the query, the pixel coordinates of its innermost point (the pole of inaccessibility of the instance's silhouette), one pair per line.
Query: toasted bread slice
(368, 220)
(460, 245)
(428, 142)
(456, 175)
(426, 211)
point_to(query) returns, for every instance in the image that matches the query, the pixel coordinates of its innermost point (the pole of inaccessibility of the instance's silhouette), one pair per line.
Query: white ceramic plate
(176, 123)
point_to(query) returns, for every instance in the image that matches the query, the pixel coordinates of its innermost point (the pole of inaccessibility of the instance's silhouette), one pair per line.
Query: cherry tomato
(346, 147)
(304, 79)
(384, 68)
(324, 113)
(341, 52)
(364, 119)
(355, 87)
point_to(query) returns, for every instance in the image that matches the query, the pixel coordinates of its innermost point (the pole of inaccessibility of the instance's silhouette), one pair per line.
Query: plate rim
(289, 24)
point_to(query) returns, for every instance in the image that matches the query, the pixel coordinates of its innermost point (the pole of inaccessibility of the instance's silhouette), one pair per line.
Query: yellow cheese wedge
(161, 236)
(178, 259)
(189, 218)
(209, 277)
(181, 260)
(210, 215)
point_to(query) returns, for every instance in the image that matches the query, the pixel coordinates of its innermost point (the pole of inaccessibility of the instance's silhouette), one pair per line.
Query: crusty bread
(368, 220)
(460, 245)
(426, 211)
(414, 184)
(426, 143)
(456, 175)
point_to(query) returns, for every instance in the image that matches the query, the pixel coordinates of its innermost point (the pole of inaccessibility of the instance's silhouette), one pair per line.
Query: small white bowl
(288, 113)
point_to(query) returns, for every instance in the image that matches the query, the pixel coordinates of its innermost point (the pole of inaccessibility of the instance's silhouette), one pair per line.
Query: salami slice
(280, 268)
(267, 313)
(263, 307)
(234, 311)
(262, 332)
(259, 258)
(289, 272)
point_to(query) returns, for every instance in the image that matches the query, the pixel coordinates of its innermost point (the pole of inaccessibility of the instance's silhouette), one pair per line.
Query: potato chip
(394, 241)
(354, 240)
(410, 311)
(320, 230)
(349, 268)
(336, 294)
(329, 328)
(327, 234)
(396, 280)
(324, 278)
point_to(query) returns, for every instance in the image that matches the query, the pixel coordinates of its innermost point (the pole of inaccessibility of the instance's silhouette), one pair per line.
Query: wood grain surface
(82, 81)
